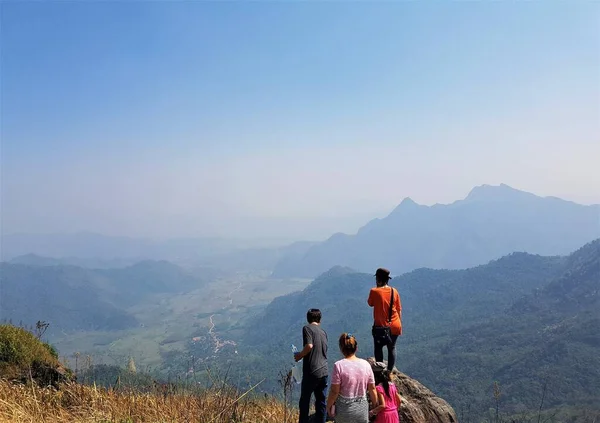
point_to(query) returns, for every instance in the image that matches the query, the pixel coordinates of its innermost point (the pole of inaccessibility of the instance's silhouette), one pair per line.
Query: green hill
(23, 357)
(551, 336)
(434, 301)
(67, 297)
(73, 298)
(130, 284)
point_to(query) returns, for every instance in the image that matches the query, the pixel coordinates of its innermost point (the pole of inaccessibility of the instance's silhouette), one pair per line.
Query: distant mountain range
(491, 222)
(74, 298)
(87, 263)
(97, 251)
(87, 245)
(522, 320)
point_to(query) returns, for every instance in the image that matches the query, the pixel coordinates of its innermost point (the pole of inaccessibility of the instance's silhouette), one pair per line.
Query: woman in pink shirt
(351, 380)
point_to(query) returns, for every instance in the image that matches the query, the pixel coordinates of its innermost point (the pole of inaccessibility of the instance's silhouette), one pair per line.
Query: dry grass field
(74, 403)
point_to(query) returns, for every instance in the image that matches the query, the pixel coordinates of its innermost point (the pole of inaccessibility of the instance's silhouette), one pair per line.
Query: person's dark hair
(348, 344)
(313, 315)
(384, 378)
(382, 276)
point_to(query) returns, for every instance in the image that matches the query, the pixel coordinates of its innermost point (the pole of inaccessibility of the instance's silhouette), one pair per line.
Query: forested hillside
(68, 297)
(548, 338)
(524, 321)
(73, 298)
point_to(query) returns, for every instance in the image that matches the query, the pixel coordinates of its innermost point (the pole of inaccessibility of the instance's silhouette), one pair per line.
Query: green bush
(52, 350)
(23, 356)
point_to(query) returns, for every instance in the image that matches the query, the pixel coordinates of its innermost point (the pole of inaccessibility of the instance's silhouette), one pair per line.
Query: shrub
(24, 357)
(52, 350)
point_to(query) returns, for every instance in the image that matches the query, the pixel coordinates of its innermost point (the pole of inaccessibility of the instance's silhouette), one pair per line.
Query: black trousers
(318, 386)
(391, 347)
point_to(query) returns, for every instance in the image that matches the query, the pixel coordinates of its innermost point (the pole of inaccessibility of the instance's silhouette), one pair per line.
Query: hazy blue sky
(291, 119)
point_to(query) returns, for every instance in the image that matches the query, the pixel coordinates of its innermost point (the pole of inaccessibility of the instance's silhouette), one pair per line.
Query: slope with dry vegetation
(31, 392)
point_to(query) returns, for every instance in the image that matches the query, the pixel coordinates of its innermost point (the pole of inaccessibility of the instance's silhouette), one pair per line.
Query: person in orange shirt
(386, 326)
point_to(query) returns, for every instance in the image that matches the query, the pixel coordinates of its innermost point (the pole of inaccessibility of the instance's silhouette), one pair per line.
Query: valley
(167, 323)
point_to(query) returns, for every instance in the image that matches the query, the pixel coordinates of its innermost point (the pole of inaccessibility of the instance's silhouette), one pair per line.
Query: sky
(287, 119)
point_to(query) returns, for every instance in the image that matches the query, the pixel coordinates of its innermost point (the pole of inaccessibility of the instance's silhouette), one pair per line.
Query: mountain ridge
(490, 222)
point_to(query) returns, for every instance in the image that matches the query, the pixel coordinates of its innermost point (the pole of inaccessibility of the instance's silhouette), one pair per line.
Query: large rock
(45, 375)
(419, 404)
(42, 374)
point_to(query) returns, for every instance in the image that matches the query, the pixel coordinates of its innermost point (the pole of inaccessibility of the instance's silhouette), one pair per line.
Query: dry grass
(75, 403)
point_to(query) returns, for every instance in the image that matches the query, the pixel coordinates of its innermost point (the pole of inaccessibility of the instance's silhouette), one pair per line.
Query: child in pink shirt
(387, 397)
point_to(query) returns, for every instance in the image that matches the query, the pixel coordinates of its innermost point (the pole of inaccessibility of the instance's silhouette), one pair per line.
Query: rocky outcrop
(45, 375)
(42, 374)
(419, 404)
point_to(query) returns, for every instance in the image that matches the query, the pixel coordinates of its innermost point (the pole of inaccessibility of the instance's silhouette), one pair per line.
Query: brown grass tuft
(74, 403)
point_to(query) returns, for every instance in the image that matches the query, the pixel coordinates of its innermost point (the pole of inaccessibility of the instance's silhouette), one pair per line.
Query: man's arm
(370, 299)
(308, 344)
(301, 354)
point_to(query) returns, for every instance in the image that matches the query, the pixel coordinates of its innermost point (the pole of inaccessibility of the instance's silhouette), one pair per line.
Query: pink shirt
(390, 401)
(353, 377)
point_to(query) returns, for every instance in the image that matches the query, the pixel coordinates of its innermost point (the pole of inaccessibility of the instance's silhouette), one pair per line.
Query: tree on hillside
(40, 328)
(131, 366)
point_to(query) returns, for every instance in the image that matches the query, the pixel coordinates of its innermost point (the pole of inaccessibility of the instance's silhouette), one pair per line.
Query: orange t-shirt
(379, 299)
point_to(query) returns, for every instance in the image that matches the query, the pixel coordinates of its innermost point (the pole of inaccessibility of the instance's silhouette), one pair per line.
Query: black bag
(383, 334)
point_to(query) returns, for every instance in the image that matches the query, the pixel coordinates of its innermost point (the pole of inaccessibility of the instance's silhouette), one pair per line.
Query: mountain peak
(500, 192)
(406, 204)
(336, 271)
